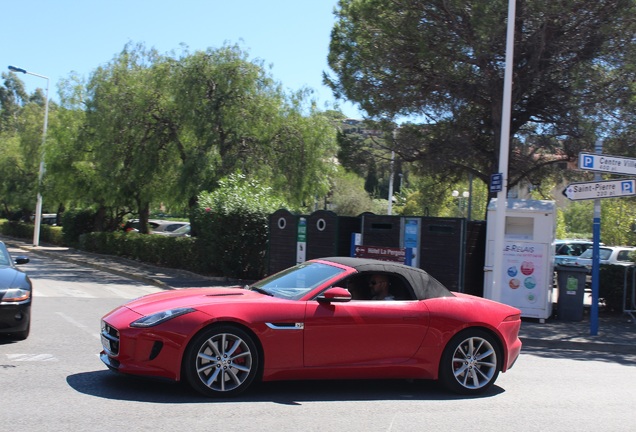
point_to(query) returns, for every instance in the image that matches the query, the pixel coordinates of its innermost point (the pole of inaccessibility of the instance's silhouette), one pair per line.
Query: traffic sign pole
(596, 250)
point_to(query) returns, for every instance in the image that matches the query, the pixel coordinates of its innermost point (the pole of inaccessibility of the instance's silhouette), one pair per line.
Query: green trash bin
(571, 284)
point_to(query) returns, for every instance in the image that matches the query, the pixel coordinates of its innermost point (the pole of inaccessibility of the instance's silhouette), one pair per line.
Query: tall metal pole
(500, 211)
(390, 207)
(596, 251)
(38, 205)
(470, 197)
(389, 210)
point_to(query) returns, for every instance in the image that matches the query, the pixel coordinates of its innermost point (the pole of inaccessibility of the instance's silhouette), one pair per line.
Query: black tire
(470, 363)
(221, 361)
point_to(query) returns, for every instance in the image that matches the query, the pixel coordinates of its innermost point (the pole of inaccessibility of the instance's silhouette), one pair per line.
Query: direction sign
(606, 163)
(600, 189)
(496, 183)
(381, 253)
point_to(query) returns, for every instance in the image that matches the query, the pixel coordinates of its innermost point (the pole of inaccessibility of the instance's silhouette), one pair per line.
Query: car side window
(580, 249)
(360, 288)
(401, 289)
(623, 255)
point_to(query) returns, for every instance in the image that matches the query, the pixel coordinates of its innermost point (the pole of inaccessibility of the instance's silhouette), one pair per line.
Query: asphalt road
(54, 381)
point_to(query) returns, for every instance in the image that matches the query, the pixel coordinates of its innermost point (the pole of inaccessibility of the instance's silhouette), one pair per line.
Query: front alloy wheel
(470, 363)
(221, 361)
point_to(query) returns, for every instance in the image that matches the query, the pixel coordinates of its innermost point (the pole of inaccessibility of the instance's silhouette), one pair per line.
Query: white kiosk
(528, 257)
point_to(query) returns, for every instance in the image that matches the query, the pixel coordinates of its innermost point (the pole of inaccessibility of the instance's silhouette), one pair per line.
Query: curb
(614, 348)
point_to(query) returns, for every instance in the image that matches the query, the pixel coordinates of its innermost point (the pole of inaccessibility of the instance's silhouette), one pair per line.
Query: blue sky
(55, 37)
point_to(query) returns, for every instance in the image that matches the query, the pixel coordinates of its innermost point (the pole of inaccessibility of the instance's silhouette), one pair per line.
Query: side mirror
(21, 259)
(334, 295)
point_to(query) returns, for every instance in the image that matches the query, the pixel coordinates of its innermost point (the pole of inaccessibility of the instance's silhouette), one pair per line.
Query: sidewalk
(616, 333)
(161, 277)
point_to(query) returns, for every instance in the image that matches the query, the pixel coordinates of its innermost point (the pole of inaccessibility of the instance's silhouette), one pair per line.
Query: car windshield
(572, 249)
(5, 260)
(295, 282)
(185, 229)
(604, 254)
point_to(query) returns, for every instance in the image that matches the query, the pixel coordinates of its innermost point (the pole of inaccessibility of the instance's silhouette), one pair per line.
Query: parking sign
(600, 189)
(607, 163)
(588, 162)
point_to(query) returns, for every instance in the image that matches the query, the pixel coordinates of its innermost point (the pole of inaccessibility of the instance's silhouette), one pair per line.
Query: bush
(48, 234)
(17, 229)
(612, 279)
(173, 252)
(52, 234)
(232, 228)
(75, 223)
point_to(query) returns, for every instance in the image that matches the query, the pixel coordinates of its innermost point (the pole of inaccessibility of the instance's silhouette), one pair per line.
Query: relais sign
(606, 163)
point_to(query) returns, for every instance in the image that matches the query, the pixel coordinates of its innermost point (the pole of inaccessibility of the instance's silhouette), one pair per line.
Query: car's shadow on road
(108, 385)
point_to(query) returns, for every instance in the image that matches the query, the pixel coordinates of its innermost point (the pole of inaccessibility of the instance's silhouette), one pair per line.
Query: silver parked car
(183, 231)
(620, 255)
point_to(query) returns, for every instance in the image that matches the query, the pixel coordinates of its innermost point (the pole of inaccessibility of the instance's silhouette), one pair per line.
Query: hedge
(612, 279)
(173, 252)
(48, 234)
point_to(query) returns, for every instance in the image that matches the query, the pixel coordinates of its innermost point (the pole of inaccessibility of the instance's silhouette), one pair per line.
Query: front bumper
(14, 317)
(153, 351)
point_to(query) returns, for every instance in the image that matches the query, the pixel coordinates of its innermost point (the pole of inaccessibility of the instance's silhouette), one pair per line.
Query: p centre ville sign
(607, 164)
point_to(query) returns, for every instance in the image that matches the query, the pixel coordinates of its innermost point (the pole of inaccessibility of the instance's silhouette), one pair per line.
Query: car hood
(192, 297)
(12, 278)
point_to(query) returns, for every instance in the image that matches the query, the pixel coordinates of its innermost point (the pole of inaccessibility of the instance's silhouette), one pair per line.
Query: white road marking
(31, 357)
(90, 331)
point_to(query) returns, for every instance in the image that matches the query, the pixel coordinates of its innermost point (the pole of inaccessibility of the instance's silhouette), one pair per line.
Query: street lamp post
(38, 206)
(460, 198)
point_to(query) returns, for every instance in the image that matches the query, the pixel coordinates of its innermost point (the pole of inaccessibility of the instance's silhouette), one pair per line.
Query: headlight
(16, 295)
(160, 317)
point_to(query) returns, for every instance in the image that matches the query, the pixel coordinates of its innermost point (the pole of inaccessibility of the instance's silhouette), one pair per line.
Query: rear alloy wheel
(221, 361)
(470, 363)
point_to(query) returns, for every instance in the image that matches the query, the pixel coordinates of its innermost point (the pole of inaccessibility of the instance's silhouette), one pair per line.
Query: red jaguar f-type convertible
(317, 320)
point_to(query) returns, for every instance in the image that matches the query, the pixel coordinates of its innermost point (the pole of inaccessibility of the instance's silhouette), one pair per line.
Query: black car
(15, 297)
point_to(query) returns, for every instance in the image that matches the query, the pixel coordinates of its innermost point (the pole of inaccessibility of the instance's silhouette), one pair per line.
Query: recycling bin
(571, 285)
(526, 268)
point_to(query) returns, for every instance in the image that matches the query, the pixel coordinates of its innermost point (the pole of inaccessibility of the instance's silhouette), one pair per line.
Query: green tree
(577, 217)
(125, 136)
(301, 155)
(12, 97)
(15, 190)
(21, 122)
(618, 219)
(230, 114)
(560, 231)
(67, 168)
(150, 129)
(442, 61)
(349, 197)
